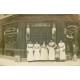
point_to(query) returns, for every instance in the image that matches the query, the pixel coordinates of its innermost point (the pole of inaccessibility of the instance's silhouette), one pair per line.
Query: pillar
(22, 40)
(60, 30)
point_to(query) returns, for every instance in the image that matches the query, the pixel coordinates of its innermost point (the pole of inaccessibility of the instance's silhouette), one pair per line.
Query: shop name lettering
(41, 24)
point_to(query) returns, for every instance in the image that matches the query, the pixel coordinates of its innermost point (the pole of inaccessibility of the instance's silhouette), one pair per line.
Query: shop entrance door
(40, 34)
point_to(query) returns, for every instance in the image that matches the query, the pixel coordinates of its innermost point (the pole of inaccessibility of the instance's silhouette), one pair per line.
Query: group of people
(52, 51)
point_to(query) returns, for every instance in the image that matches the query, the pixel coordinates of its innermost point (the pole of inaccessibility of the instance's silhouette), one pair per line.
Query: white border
(39, 7)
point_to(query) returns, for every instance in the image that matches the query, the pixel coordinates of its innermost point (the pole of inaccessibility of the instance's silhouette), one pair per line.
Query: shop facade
(17, 30)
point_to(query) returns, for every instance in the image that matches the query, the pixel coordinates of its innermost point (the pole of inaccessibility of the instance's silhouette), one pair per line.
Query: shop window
(10, 39)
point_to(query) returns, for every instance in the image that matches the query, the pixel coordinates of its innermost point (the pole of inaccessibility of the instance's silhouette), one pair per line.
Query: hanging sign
(10, 31)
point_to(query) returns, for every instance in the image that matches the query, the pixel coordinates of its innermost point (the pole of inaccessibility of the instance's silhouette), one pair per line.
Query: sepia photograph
(40, 39)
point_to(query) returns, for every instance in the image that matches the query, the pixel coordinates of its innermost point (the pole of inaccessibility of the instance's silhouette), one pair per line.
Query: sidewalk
(6, 62)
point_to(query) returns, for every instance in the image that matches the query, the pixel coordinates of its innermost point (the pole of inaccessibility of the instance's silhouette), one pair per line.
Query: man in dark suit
(70, 44)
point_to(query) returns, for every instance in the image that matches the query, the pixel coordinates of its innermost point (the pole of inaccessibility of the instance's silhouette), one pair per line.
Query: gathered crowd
(51, 52)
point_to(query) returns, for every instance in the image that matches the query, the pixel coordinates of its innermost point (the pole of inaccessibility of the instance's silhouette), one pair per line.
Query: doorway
(40, 34)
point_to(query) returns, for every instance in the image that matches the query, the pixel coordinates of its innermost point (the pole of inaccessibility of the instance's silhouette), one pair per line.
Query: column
(60, 30)
(22, 40)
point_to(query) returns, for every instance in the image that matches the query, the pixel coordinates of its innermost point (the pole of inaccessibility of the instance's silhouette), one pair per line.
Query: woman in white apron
(51, 48)
(30, 51)
(62, 50)
(36, 51)
(44, 52)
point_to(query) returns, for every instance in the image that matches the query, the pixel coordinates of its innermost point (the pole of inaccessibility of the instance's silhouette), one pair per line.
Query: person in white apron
(51, 48)
(30, 51)
(44, 52)
(36, 52)
(61, 45)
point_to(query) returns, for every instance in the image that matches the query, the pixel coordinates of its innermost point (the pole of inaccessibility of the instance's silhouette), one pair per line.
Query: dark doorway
(40, 34)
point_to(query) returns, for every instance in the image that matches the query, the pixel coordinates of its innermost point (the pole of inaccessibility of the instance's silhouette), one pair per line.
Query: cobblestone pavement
(7, 62)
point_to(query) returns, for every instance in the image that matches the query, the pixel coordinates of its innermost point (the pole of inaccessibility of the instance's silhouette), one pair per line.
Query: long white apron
(36, 54)
(30, 54)
(62, 54)
(51, 53)
(44, 54)
(62, 51)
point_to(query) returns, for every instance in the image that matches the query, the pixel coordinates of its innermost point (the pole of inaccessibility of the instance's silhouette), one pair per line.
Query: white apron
(51, 51)
(44, 53)
(36, 52)
(30, 52)
(62, 51)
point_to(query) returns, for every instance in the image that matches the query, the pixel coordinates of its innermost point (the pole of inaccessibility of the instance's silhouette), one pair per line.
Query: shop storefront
(18, 30)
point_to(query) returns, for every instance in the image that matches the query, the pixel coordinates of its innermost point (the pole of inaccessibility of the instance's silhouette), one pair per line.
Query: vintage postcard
(40, 39)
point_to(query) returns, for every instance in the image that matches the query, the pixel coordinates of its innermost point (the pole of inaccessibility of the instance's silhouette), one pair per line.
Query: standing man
(70, 44)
